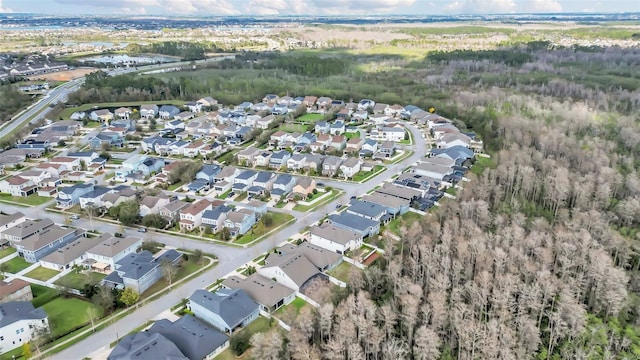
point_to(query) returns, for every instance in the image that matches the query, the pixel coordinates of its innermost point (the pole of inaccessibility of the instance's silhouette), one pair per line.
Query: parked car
(231, 194)
(118, 235)
(75, 217)
(142, 230)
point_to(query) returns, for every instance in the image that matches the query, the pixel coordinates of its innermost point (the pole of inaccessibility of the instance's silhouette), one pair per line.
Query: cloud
(482, 6)
(543, 6)
(362, 6)
(4, 9)
(120, 4)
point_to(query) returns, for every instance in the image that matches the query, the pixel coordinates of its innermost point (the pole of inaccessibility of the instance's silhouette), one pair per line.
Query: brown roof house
(15, 290)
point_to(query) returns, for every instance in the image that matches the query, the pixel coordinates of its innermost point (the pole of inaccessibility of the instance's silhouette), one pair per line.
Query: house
(106, 139)
(307, 138)
(193, 149)
(365, 104)
(109, 250)
(279, 159)
(402, 191)
(280, 109)
(304, 187)
(145, 345)
(152, 204)
(246, 156)
(226, 309)
(93, 198)
(228, 174)
(296, 162)
(122, 112)
(336, 239)
(194, 338)
(343, 114)
(360, 115)
(269, 98)
(239, 222)
(350, 167)
(367, 210)
(459, 154)
(167, 112)
(244, 180)
(116, 197)
(453, 139)
(331, 165)
(208, 101)
(171, 211)
(174, 124)
(257, 206)
(73, 253)
(338, 142)
(15, 290)
(394, 205)
(149, 144)
(369, 147)
(193, 106)
(84, 156)
(309, 102)
(392, 134)
(322, 127)
(148, 111)
(354, 145)
(208, 173)
(441, 161)
(386, 150)
(361, 225)
(177, 148)
(19, 322)
(191, 216)
(102, 115)
(69, 196)
(139, 271)
(151, 166)
(25, 229)
(283, 185)
(215, 218)
(197, 186)
(268, 293)
(377, 119)
(18, 186)
(7, 221)
(438, 172)
(262, 159)
(337, 128)
(265, 180)
(69, 163)
(185, 115)
(323, 103)
(40, 244)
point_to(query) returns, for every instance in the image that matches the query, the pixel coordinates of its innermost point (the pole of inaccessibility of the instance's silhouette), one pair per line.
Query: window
(21, 330)
(1, 338)
(17, 331)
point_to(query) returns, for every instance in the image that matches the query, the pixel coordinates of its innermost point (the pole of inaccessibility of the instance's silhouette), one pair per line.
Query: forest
(12, 101)
(537, 258)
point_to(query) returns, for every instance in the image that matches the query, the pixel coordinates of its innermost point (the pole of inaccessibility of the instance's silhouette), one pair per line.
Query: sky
(313, 7)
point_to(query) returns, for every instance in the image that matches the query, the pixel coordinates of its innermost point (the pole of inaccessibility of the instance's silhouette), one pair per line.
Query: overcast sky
(313, 7)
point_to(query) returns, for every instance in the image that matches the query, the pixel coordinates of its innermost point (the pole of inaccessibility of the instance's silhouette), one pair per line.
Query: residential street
(229, 257)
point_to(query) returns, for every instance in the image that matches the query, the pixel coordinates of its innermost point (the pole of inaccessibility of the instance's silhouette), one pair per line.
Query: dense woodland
(538, 258)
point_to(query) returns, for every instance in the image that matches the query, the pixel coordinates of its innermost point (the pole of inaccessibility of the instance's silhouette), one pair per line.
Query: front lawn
(310, 117)
(187, 267)
(259, 230)
(335, 194)
(363, 176)
(16, 265)
(31, 200)
(77, 280)
(42, 274)
(66, 315)
(174, 187)
(6, 252)
(342, 271)
(224, 194)
(351, 135)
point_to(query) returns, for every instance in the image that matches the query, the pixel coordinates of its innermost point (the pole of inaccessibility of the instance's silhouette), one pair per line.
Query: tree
(225, 234)
(129, 297)
(104, 298)
(266, 346)
(4, 268)
(92, 313)
(91, 211)
(154, 220)
(128, 212)
(197, 256)
(169, 270)
(267, 220)
(26, 350)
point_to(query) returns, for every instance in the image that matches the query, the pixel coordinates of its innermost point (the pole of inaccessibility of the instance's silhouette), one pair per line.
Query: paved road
(230, 258)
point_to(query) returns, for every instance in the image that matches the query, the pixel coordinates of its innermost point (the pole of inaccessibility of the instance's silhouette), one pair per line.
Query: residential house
(152, 204)
(323, 103)
(18, 186)
(246, 156)
(392, 134)
(123, 112)
(208, 101)
(441, 161)
(73, 253)
(194, 338)
(174, 124)
(145, 345)
(69, 163)
(310, 102)
(269, 98)
(438, 172)
(102, 115)
(279, 159)
(350, 167)
(193, 106)
(15, 290)
(336, 239)
(360, 115)
(262, 159)
(402, 191)
(106, 140)
(191, 216)
(226, 309)
(283, 185)
(70, 196)
(193, 149)
(177, 148)
(354, 145)
(280, 109)
(108, 250)
(208, 173)
(197, 186)
(244, 180)
(343, 114)
(331, 165)
(149, 144)
(93, 198)
(215, 217)
(365, 104)
(322, 127)
(368, 210)
(268, 293)
(338, 142)
(296, 162)
(85, 157)
(394, 205)
(228, 174)
(118, 196)
(361, 225)
(148, 111)
(459, 154)
(265, 180)
(184, 116)
(377, 119)
(139, 271)
(25, 229)
(19, 323)
(167, 112)
(453, 139)
(386, 150)
(36, 246)
(171, 211)
(257, 206)
(239, 222)
(337, 128)
(307, 138)
(304, 187)
(151, 166)
(7, 221)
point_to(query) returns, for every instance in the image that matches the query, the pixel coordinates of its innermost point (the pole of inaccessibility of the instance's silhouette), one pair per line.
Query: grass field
(342, 271)
(32, 200)
(76, 280)
(293, 128)
(16, 265)
(7, 252)
(42, 294)
(333, 196)
(310, 117)
(363, 176)
(260, 230)
(66, 315)
(351, 135)
(42, 274)
(403, 220)
(481, 164)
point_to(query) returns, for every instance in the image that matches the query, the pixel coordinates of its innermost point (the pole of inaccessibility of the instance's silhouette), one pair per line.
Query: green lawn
(293, 128)
(342, 271)
(92, 124)
(226, 157)
(42, 294)
(224, 194)
(297, 303)
(303, 208)
(116, 161)
(363, 176)
(66, 315)
(42, 274)
(481, 164)
(76, 280)
(259, 229)
(14, 354)
(6, 252)
(175, 186)
(186, 268)
(405, 219)
(16, 265)
(451, 191)
(31, 200)
(310, 117)
(351, 135)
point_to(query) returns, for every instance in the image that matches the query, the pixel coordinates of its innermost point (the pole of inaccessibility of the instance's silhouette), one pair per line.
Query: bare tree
(169, 271)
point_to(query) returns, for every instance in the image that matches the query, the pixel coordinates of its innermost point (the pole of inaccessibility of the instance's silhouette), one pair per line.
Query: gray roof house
(268, 293)
(334, 238)
(363, 226)
(139, 270)
(366, 209)
(18, 321)
(195, 339)
(226, 309)
(395, 205)
(283, 185)
(146, 346)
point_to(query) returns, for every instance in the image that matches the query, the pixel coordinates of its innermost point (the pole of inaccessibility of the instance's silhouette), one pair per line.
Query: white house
(336, 239)
(19, 321)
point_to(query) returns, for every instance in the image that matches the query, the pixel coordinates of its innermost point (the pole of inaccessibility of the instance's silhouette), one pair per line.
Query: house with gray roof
(19, 320)
(146, 346)
(40, 244)
(283, 185)
(225, 309)
(195, 339)
(268, 293)
(361, 225)
(209, 172)
(394, 205)
(435, 171)
(215, 217)
(367, 210)
(139, 271)
(109, 250)
(168, 111)
(72, 253)
(334, 238)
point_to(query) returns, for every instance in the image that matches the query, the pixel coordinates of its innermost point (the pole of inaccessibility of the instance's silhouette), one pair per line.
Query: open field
(31, 200)
(66, 315)
(76, 280)
(67, 75)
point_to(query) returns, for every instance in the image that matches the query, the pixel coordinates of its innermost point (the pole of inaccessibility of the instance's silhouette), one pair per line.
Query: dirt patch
(371, 258)
(66, 75)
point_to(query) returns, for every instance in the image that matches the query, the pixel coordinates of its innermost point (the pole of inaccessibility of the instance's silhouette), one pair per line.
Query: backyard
(42, 274)
(16, 265)
(187, 267)
(42, 294)
(6, 252)
(403, 220)
(259, 229)
(66, 315)
(32, 200)
(77, 280)
(342, 271)
(310, 117)
(259, 325)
